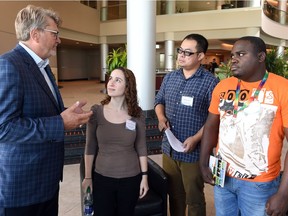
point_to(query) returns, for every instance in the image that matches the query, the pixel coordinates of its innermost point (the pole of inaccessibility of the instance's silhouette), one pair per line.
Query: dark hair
(202, 43)
(131, 98)
(258, 44)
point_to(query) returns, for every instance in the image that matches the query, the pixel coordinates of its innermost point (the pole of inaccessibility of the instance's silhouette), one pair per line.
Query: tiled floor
(69, 202)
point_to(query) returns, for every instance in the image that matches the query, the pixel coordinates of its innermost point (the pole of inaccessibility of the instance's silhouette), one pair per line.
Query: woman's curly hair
(131, 98)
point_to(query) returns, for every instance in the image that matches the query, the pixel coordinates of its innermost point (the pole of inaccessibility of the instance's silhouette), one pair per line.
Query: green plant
(179, 10)
(116, 58)
(277, 63)
(227, 4)
(224, 70)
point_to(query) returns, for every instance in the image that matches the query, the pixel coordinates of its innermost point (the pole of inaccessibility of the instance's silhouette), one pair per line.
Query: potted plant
(227, 4)
(116, 58)
(277, 64)
(224, 70)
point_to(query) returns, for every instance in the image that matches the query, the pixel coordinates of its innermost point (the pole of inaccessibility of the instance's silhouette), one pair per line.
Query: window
(90, 3)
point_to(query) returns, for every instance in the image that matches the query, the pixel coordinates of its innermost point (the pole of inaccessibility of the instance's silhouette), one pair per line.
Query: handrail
(275, 14)
(118, 11)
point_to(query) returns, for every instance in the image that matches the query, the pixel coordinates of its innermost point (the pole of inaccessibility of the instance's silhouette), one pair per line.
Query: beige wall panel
(79, 20)
(217, 19)
(8, 41)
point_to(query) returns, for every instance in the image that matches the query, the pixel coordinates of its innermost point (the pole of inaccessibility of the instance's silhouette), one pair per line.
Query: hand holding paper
(174, 142)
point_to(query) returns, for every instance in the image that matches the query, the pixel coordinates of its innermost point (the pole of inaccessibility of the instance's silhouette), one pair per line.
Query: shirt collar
(198, 72)
(40, 62)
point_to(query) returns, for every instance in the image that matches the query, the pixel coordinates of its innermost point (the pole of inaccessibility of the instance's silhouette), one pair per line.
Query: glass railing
(118, 11)
(274, 13)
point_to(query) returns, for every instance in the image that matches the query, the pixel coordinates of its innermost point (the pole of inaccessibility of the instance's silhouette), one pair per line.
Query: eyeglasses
(186, 52)
(55, 33)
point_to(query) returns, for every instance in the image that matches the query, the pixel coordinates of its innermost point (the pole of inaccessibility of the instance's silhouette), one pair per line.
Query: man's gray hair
(32, 17)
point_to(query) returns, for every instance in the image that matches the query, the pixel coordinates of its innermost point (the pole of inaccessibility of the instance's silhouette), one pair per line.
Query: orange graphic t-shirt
(252, 141)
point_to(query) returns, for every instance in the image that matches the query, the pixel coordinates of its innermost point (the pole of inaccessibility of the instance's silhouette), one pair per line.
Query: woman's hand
(87, 182)
(143, 186)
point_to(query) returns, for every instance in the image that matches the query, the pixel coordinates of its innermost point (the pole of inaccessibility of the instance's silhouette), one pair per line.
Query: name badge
(187, 101)
(130, 125)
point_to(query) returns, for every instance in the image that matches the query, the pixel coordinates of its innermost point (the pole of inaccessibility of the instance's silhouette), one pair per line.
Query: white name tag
(187, 101)
(130, 125)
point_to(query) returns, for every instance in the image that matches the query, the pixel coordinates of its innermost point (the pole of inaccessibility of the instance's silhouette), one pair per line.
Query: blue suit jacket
(31, 132)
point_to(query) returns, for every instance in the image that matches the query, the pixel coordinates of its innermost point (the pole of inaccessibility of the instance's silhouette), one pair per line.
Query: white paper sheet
(174, 142)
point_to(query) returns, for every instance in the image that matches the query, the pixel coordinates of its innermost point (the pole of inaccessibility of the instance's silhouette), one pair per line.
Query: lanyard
(252, 98)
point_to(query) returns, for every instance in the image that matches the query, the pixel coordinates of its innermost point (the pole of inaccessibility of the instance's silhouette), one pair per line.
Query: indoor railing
(274, 13)
(119, 11)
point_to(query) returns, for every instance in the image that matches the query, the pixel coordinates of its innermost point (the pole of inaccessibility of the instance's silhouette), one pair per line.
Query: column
(219, 4)
(104, 10)
(281, 48)
(141, 50)
(104, 53)
(282, 6)
(170, 6)
(252, 3)
(169, 51)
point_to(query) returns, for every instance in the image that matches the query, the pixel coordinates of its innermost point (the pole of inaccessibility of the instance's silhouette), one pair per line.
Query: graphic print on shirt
(244, 140)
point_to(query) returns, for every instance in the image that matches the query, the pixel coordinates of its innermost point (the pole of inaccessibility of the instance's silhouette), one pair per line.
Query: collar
(198, 72)
(40, 62)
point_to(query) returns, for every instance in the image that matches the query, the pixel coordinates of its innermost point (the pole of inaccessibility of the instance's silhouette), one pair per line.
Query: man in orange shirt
(248, 120)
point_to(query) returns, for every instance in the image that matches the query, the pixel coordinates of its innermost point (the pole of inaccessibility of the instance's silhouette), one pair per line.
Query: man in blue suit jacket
(33, 119)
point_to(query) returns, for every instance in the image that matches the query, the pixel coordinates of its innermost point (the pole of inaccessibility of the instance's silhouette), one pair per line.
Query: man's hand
(189, 144)
(207, 175)
(163, 124)
(74, 116)
(277, 205)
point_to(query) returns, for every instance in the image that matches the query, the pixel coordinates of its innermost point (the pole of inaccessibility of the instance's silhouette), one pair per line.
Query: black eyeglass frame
(186, 52)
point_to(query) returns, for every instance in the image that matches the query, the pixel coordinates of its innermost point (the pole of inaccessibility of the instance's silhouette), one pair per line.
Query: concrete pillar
(219, 4)
(104, 54)
(252, 3)
(169, 51)
(103, 41)
(282, 6)
(281, 47)
(104, 10)
(169, 55)
(141, 40)
(170, 6)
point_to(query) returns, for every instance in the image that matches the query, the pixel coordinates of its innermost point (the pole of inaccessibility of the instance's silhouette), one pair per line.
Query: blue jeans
(240, 197)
